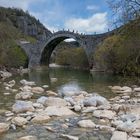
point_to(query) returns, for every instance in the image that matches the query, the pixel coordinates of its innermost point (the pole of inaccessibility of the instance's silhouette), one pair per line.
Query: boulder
(28, 138)
(25, 82)
(5, 74)
(24, 95)
(53, 101)
(12, 83)
(41, 118)
(42, 100)
(133, 138)
(86, 124)
(37, 90)
(26, 88)
(137, 89)
(89, 109)
(4, 127)
(22, 106)
(59, 111)
(128, 127)
(51, 93)
(69, 137)
(104, 114)
(77, 108)
(95, 100)
(118, 135)
(19, 121)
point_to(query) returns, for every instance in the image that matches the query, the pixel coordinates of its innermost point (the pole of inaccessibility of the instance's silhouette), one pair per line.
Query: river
(59, 79)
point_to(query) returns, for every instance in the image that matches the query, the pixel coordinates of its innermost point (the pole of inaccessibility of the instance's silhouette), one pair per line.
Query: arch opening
(73, 52)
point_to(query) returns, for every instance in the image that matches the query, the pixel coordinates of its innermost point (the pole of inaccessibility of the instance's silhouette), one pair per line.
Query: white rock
(133, 138)
(51, 93)
(22, 106)
(77, 108)
(37, 90)
(86, 124)
(59, 111)
(26, 88)
(104, 114)
(42, 100)
(53, 80)
(89, 109)
(95, 100)
(6, 93)
(118, 135)
(69, 137)
(106, 128)
(29, 83)
(127, 127)
(45, 86)
(28, 138)
(38, 105)
(41, 118)
(4, 127)
(19, 121)
(12, 83)
(5, 74)
(137, 89)
(24, 95)
(53, 101)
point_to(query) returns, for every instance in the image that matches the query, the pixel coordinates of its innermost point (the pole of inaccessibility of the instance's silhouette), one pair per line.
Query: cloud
(23, 4)
(92, 7)
(96, 23)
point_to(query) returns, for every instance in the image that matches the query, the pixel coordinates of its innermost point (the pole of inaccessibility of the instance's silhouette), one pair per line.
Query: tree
(125, 10)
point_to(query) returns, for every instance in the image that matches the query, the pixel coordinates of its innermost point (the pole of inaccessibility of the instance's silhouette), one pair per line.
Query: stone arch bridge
(39, 53)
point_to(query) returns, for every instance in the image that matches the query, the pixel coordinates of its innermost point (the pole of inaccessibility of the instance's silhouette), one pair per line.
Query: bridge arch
(54, 40)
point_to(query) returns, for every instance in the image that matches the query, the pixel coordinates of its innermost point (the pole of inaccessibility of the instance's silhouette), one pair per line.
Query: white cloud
(23, 4)
(92, 7)
(96, 23)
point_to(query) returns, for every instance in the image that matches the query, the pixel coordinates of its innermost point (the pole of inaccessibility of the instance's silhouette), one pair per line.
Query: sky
(84, 16)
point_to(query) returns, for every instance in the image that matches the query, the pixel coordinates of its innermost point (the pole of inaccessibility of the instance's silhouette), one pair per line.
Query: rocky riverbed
(41, 114)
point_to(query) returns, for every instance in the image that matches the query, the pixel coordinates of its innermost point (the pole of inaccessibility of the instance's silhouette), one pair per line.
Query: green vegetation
(74, 57)
(120, 54)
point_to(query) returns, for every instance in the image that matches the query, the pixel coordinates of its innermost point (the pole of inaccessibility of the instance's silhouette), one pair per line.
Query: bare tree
(124, 10)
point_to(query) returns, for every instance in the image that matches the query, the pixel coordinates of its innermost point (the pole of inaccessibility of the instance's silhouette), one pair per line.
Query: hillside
(15, 24)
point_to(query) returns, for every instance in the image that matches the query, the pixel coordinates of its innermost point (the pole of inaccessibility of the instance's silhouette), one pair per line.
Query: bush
(119, 54)
(12, 55)
(73, 57)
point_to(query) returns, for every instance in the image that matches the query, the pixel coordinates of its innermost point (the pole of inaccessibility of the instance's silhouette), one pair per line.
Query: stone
(53, 80)
(136, 134)
(104, 114)
(69, 137)
(5, 74)
(77, 108)
(28, 138)
(137, 89)
(6, 93)
(115, 123)
(59, 111)
(128, 127)
(22, 106)
(38, 90)
(26, 88)
(95, 100)
(19, 121)
(70, 100)
(106, 128)
(41, 118)
(12, 83)
(89, 109)
(45, 86)
(53, 101)
(24, 95)
(42, 100)
(29, 83)
(86, 124)
(116, 88)
(38, 105)
(133, 138)
(118, 135)
(51, 93)
(4, 127)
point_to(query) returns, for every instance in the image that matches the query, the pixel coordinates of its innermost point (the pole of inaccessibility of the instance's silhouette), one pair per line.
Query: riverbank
(68, 113)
